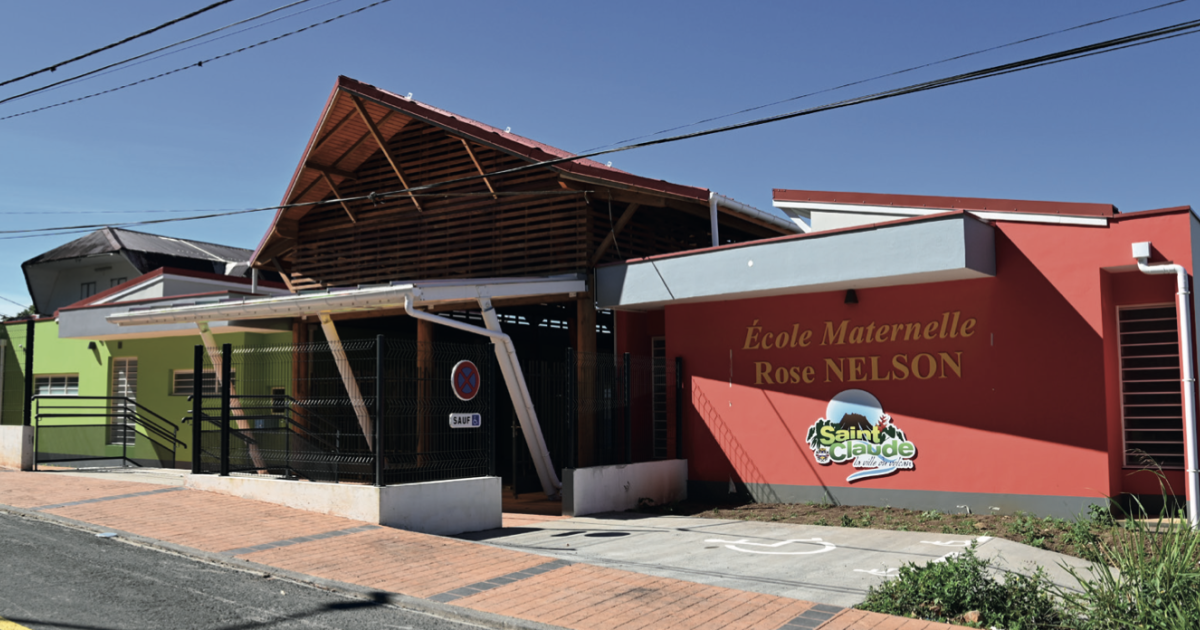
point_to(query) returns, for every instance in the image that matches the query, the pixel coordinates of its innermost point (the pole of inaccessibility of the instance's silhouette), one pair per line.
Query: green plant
(930, 515)
(1156, 582)
(847, 521)
(948, 590)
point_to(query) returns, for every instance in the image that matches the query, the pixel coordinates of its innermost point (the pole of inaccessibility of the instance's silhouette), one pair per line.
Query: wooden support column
(585, 347)
(383, 147)
(425, 403)
(348, 380)
(235, 405)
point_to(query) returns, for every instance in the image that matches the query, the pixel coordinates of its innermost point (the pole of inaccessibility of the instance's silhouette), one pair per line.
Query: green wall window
(181, 383)
(57, 385)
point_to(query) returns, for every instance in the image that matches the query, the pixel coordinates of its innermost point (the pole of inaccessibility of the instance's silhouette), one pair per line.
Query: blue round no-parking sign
(465, 380)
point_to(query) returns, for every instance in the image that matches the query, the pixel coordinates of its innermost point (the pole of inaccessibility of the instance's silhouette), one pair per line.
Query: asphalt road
(57, 577)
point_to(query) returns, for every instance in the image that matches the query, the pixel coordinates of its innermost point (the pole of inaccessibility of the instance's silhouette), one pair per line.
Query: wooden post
(425, 376)
(585, 347)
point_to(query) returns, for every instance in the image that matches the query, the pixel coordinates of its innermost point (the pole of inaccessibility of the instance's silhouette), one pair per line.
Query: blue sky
(1118, 128)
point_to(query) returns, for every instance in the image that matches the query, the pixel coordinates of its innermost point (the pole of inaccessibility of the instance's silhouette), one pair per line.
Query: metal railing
(102, 428)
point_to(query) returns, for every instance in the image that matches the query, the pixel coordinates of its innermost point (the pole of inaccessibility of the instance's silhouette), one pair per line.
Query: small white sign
(465, 420)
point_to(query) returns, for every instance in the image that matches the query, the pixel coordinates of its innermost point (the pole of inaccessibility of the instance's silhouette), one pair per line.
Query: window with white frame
(57, 385)
(1151, 391)
(182, 383)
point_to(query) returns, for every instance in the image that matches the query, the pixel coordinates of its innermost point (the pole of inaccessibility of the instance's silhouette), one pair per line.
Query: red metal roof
(513, 143)
(948, 203)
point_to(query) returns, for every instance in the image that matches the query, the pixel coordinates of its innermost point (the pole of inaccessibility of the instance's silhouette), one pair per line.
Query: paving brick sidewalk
(446, 571)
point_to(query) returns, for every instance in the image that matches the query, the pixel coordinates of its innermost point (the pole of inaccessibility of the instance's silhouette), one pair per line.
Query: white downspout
(713, 199)
(1141, 252)
(506, 357)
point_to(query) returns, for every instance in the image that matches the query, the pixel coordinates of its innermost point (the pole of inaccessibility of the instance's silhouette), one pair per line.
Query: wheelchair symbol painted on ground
(766, 548)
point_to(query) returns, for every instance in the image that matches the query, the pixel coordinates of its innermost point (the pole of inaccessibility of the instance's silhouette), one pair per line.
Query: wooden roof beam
(382, 142)
(467, 146)
(329, 170)
(612, 234)
(337, 195)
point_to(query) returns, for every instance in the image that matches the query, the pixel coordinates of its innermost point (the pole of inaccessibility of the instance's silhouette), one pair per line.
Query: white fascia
(804, 209)
(350, 300)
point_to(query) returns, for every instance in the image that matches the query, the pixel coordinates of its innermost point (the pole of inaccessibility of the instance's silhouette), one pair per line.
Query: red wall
(1035, 410)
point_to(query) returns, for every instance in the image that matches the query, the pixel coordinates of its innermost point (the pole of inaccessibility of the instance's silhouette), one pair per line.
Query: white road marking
(733, 544)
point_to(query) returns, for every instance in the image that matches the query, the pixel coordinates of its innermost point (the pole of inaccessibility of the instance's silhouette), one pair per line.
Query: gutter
(716, 201)
(1141, 252)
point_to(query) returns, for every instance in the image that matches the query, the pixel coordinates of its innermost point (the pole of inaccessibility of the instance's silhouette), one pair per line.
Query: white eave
(358, 299)
(798, 209)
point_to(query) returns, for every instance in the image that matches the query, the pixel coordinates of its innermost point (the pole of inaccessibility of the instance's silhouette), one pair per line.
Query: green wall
(156, 360)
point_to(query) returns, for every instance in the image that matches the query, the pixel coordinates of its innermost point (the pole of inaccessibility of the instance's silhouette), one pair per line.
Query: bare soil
(1059, 535)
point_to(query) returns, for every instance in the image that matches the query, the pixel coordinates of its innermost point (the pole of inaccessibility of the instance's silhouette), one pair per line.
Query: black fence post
(628, 378)
(226, 370)
(197, 405)
(679, 407)
(572, 409)
(379, 411)
(27, 419)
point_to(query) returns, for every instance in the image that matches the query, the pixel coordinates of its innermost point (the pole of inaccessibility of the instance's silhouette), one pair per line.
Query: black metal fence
(325, 411)
(624, 399)
(111, 430)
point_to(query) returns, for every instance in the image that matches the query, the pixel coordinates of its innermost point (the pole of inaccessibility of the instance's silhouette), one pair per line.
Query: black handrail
(141, 415)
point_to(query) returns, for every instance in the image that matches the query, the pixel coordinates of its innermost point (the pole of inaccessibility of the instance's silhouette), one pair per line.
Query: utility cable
(890, 74)
(115, 44)
(54, 231)
(77, 77)
(1138, 39)
(134, 64)
(199, 64)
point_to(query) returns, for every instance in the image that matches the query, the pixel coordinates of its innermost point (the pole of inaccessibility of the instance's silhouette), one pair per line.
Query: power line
(115, 44)
(79, 229)
(891, 74)
(77, 77)
(1138, 39)
(198, 64)
(134, 62)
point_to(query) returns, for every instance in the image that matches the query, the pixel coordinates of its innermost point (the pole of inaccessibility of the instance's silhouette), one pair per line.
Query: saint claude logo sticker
(855, 429)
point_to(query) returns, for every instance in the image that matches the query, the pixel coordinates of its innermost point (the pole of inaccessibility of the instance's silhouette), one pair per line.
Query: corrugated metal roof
(112, 240)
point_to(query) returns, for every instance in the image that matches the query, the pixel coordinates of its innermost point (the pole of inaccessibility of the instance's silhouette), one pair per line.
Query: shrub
(949, 589)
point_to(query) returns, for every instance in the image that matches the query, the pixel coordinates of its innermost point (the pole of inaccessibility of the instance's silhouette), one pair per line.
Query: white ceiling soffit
(796, 209)
(938, 249)
(366, 298)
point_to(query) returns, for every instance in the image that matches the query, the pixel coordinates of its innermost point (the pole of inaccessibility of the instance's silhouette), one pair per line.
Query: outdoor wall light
(92, 346)
(851, 297)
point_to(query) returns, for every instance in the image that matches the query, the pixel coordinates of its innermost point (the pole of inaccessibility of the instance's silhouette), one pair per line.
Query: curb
(352, 591)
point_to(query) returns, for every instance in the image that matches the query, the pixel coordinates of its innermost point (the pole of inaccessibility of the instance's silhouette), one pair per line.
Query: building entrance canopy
(410, 296)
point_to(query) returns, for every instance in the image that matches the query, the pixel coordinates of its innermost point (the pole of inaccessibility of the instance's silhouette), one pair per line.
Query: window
(181, 383)
(1151, 392)
(116, 282)
(279, 400)
(658, 365)
(57, 385)
(87, 289)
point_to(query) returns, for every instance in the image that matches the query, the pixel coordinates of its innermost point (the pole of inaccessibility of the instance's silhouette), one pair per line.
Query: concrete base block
(437, 507)
(16, 447)
(618, 488)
